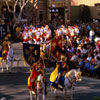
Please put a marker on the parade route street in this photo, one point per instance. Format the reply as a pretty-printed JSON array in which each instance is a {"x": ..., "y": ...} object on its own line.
[{"x": 14, "y": 86}]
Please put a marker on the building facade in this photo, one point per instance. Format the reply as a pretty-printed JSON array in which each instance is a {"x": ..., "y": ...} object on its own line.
[
  {"x": 64, "y": 10},
  {"x": 84, "y": 9},
  {"x": 74, "y": 10},
  {"x": 84, "y": 2}
]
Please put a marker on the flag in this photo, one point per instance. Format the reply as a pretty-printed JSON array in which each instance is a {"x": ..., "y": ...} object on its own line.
[
  {"x": 31, "y": 53},
  {"x": 56, "y": 47}
]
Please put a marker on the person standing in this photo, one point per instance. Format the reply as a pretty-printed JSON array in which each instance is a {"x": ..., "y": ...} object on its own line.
[
  {"x": 91, "y": 35},
  {"x": 10, "y": 58}
]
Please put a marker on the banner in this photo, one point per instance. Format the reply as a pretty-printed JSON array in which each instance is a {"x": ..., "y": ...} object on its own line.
[
  {"x": 56, "y": 47},
  {"x": 3, "y": 31},
  {"x": 31, "y": 53}
]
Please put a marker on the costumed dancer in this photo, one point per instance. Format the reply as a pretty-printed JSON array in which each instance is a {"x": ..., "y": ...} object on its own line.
[
  {"x": 76, "y": 29},
  {"x": 37, "y": 37},
  {"x": 72, "y": 33}
]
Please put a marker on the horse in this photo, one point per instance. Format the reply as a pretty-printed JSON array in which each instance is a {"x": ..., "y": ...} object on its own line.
[
  {"x": 69, "y": 79},
  {"x": 2, "y": 61},
  {"x": 40, "y": 88}
]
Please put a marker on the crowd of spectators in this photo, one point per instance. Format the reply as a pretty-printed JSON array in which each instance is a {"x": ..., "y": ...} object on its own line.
[
  {"x": 81, "y": 43},
  {"x": 83, "y": 48}
]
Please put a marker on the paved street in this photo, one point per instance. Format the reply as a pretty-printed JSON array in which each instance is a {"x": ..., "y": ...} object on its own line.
[{"x": 14, "y": 86}]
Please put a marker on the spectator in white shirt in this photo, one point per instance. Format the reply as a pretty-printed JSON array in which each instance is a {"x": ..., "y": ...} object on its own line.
[{"x": 91, "y": 35}]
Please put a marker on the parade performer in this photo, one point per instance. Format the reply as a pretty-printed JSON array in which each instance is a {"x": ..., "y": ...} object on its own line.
[
  {"x": 40, "y": 67},
  {"x": 5, "y": 49},
  {"x": 36, "y": 70},
  {"x": 59, "y": 71},
  {"x": 40, "y": 70},
  {"x": 32, "y": 78}
]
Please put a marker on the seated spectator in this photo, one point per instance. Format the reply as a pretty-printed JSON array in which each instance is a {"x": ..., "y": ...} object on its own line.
[
  {"x": 93, "y": 59},
  {"x": 81, "y": 64},
  {"x": 89, "y": 57},
  {"x": 92, "y": 67},
  {"x": 87, "y": 65},
  {"x": 97, "y": 68},
  {"x": 98, "y": 62},
  {"x": 83, "y": 51},
  {"x": 78, "y": 53},
  {"x": 74, "y": 58}
]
